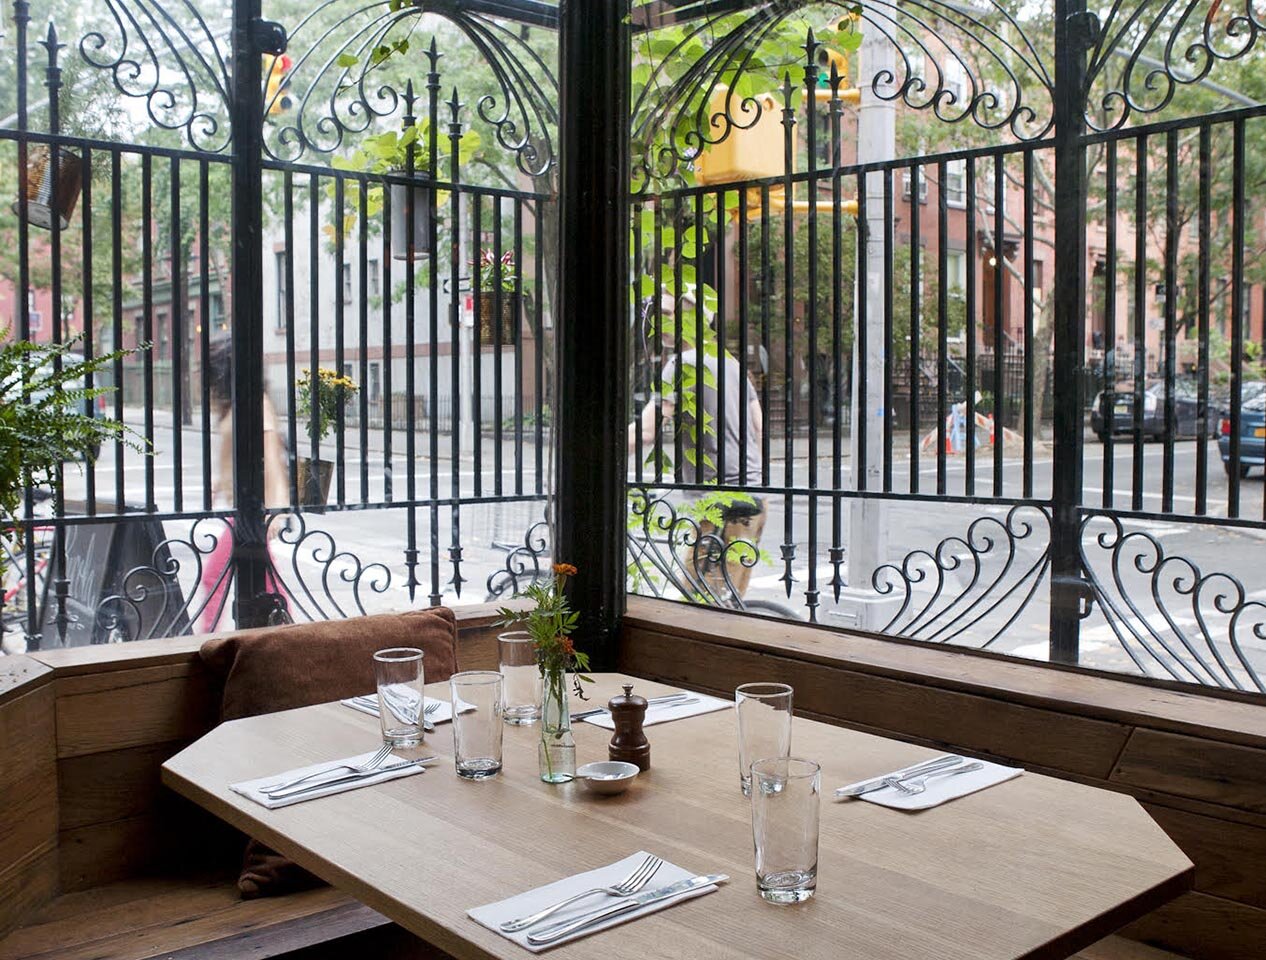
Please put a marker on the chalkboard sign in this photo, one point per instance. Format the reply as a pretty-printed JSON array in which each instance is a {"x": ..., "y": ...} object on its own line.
[{"x": 99, "y": 557}]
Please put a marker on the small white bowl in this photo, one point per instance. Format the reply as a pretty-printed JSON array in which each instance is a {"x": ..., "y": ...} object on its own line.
[{"x": 607, "y": 776}]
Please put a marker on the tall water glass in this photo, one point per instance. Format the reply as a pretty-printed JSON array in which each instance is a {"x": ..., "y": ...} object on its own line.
[
  {"x": 764, "y": 726},
  {"x": 477, "y": 733},
  {"x": 398, "y": 671},
  {"x": 520, "y": 677},
  {"x": 785, "y": 800}
]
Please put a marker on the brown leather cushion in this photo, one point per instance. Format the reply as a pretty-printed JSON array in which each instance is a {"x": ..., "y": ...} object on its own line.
[{"x": 280, "y": 668}]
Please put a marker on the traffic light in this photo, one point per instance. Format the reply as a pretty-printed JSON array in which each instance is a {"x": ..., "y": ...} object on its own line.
[{"x": 277, "y": 97}]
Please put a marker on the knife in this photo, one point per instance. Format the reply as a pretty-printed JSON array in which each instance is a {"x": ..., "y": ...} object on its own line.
[
  {"x": 919, "y": 769},
  {"x": 674, "y": 699},
  {"x": 350, "y": 778},
  {"x": 557, "y": 931},
  {"x": 371, "y": 703}
]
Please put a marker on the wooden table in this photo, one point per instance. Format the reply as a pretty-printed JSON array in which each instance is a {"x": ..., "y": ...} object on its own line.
[{"x": 1036, "y": 867}]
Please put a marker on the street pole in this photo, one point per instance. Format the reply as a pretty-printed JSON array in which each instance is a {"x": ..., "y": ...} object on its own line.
[{"x": 868, "y": 528}]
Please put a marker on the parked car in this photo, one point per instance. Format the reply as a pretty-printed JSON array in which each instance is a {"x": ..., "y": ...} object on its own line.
[
  {"x": 1120, "y": 419},
  {"x": 1252, "y": 436}
]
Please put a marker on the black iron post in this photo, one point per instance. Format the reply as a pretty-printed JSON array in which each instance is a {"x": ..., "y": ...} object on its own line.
[
  {"x": 591, "y": 316},
  {"x": 252, "y": 37},
  {"x": 1073, "y": 28}
]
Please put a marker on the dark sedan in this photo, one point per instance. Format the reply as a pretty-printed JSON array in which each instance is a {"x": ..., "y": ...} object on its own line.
[
  {"x": 1252, "y": 436},
  {"x": 1119, "y": 418}
]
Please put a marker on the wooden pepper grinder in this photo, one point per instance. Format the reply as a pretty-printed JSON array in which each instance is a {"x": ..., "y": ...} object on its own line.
[{"x": 629, "y": 742}]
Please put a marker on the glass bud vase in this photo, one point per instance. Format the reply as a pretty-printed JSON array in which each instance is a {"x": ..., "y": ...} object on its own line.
[{"x": 557, "y": 749}]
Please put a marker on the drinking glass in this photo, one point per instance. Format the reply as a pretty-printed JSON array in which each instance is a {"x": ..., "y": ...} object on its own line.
[
  {"x": 521, "y": 677},
  {"x": 477, "y": 732},
  {"x": 764, "y": 725},
  {"x": 785, "y": 800},
  {"x": 398, "y": 671}
]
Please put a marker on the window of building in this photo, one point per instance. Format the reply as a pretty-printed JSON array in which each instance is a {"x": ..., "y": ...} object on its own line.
[
  {"x": 375, "y": 281},
  {"x": 347, "y": 283},
  {"x": 160, "y": 329},
  {"x": 283, "y": 295},
  {"x": 908, "y": 177},
  {"x": 375, "y": 383},
  {"x": 956, "y": 273},
  {"x": 956, "y": 183},
  {"x": 956, "y": 82}
]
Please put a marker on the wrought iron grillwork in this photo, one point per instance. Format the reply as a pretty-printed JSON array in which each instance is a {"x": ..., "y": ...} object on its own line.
[
  {"x": 915, "y": 411},
  {"x": 1142, "y": 57},
  {"x": 1170, "y": 617}
]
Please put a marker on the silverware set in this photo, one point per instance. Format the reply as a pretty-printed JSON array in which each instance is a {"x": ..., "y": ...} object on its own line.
[
  {"x": 429, "y": 711},
  {"x": 631, "y": 884},
  {"x": 912, "y": 780},
  {"x": 671, "y": 700},
  {"x": 559, "y": 930}
]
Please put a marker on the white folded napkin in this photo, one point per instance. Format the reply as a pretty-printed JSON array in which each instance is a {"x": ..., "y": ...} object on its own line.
[
  {"x": 524, "y": 904},
  {"x": 941, "y": 788},
  {"x": 368, "y": 704},
  {"x": 664, "y": 712},
  {"x": 250, "y": 788}
]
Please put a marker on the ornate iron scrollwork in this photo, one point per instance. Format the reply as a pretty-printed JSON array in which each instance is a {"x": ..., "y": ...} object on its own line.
[
  {"x": 1143, "y": 56},
  {"x": 336, "y": 87},
  {"x": 996, "y": 580},
  {"x": 170, "y": 594},
  {"x": 943, "y": 53},
  {"x": 319, "y": 581},
  {"x": 673, "y": 554},
  {"x": 523, "y": 565},
  {"x": 167, "y": 55},
  {"x": 1171, "y": 618}
]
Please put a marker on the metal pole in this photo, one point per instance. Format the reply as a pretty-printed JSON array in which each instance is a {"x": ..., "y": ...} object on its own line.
[
  {"x": 1073, "y": 29},
  {"x": 591, "y": 320},
  {"x": 252, "y": 37},
  {"x": 868, "y": 528}
]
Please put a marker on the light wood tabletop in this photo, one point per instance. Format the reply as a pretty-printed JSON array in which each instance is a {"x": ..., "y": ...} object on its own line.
[{"x": 1035, "y": 867}]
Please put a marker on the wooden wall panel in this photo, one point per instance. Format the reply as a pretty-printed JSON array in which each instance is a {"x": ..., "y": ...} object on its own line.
[
  {"x": 28, "y": 790},
  {"x": 1222, "y": 773},
  {"x": 111, "y": 786},
  {"x": 1202, "y": 927},
  {"x": 1230, "y": 858},
  {"x": 131, "y": 708},
  {"x": 26, "y": 885},
  {"x": 1011, "y": 731}
]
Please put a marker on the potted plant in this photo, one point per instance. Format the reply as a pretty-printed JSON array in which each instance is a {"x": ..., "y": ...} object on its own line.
[
  {"x": 46, "y": 420},
  {"x": 497, "y": 274},
  {"x": 331, "y": 391},
  {"x": 550, "y": 622}
]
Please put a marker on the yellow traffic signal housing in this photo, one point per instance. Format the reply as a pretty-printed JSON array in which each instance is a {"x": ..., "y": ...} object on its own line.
[
  {"x": 746, "y": 154},
  {"x": 277, "y": 93},
  {"x": 755, "y": 152}
]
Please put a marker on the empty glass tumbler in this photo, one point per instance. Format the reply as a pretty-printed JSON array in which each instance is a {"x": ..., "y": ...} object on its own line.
[
  {"x": 520, "y": 677},
  {"x": 785, "y": 800},
  {"x": 398, "y": 671},
  {"x": 764, "y": 725},
  {"x": 477, "y": 733}
]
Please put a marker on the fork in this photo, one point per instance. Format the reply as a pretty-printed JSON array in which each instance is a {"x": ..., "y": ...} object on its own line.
[
  {"x": 916, "y": 786},
  {"x": 373, "y": 763},
  {"x": 631, "y": 884}
]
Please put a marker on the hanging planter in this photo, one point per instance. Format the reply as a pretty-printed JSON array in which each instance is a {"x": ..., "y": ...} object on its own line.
[
  {"x": 412, "y": 244},
  {"x": 508, "y": 319},
  {"x": 39, "y": 186},
  {"x": 324, "y": 474}
]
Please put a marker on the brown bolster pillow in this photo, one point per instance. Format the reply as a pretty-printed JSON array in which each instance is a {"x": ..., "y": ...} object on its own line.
[{"x": 281, "y": 668}]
